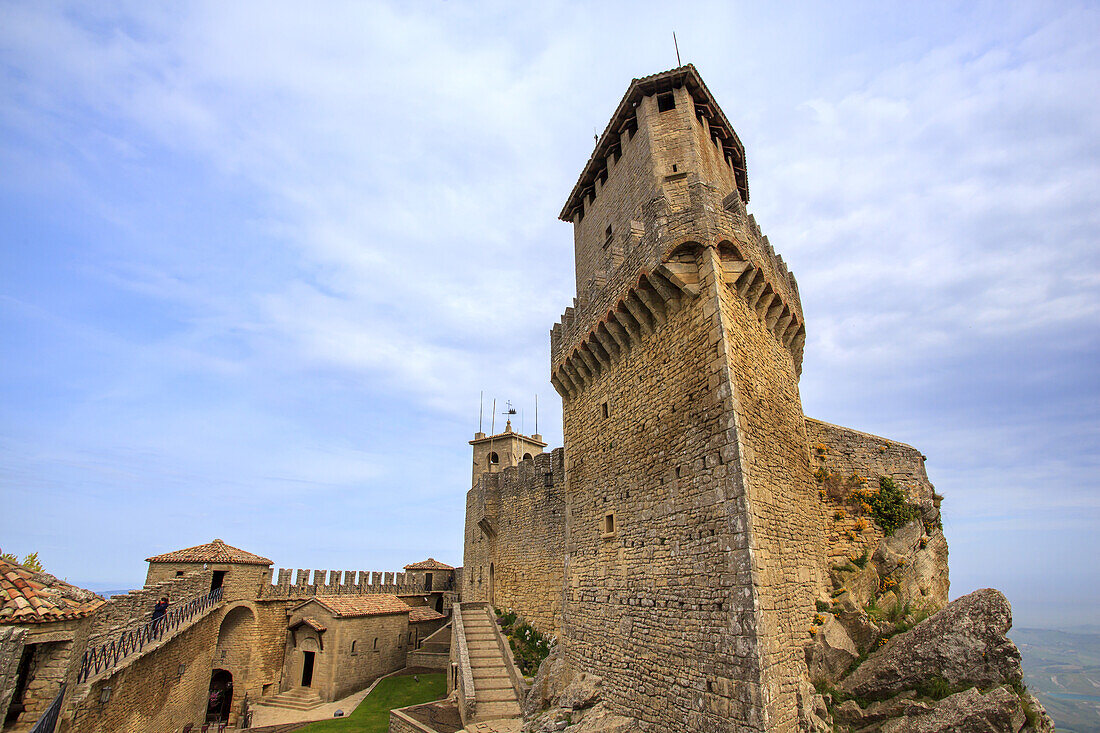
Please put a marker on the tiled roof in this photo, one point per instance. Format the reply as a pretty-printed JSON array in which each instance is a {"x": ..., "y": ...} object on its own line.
[
  {"x": 212, "y": 552},
  {"x": 311, "y": 623},
  {"x": 420, "y": 614},
  {"x": 375, "y": 604},
  {"x": 27, "y": 597},
  {"x": 430, "y": 564}
]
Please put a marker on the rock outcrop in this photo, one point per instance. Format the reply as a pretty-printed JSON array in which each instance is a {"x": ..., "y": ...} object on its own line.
[
  {"x": 955, "y": 671},
  {"x": 561, "y": 699},
  {"x": 963, "y": 644}
]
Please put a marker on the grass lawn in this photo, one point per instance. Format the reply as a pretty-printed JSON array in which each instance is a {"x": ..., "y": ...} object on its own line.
[{"x": 373, "y": 714}]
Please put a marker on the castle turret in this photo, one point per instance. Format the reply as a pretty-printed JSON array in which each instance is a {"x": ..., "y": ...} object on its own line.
[
  {"x": 691, "y": 511},
  {"x": 494, "y": 453}
]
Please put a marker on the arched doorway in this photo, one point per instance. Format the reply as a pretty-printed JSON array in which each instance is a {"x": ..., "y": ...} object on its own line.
[
  {"x": 220, "y": 700},
  {"x": 492, "y": 588}
]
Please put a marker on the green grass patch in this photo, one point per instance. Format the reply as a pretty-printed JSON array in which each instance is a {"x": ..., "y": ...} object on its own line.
[{"x": 373, "y": 714}]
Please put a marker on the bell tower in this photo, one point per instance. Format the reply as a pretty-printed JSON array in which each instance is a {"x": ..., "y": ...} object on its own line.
[{"x": 494, "y": 453}]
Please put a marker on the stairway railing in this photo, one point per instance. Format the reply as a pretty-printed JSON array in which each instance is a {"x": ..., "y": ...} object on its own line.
[{"x": 106, "y": 655}]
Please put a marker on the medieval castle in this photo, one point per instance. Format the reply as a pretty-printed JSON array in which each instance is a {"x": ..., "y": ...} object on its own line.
[{"x": 706, "y": 556}]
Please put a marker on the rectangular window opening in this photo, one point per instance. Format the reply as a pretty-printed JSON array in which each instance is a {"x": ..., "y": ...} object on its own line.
[
  {"x": 665, "y": 102},
  {"x": 607, "y": 236},
  {"x": 606, "y": 411},
  {"x": 609, "y": 524}
]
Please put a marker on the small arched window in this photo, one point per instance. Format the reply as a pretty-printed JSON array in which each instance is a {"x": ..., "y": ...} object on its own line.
[
  {"x": 526, "y": 456},
  {"x": 353, "y": 647},
  {"x": 376, "y": 642},
  {"x": 494, "y": 459}
]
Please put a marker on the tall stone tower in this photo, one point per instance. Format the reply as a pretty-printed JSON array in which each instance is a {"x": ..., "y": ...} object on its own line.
[
  {"x": 494, "y": 453},
  {"x": 693, "y": 543}
]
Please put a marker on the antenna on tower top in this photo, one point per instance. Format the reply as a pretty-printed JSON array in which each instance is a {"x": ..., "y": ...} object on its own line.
[
  {"x": 481, "y": 412},
  {"x": 677, "y": 45}
]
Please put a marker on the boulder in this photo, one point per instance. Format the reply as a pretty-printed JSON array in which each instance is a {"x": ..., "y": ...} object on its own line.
[
  {"x": 582, "y": 692},
  {"x": 965, "y": 643},
  {"x": 998, "y": 711},
  {"x": 554, "y": 675},
  {"x": 831, "y": 652}
]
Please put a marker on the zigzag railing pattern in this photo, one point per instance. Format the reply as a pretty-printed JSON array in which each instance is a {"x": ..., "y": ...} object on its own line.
[{"x": 103, "y": 657}]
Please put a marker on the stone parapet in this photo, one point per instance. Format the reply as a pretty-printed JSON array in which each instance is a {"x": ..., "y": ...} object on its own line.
[{"x": 338, "y": 582}]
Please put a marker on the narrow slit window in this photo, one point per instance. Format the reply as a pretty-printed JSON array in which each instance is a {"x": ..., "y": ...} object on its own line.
[
  {"x": 606, "y": 410},
  {"x": 608, "y": 526},
  {"x": 607, "y": 236}
]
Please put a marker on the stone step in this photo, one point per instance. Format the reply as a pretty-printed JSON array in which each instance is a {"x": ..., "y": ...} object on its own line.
[
  {"x": 497, "y": 695},
  {"x": 482, "y": 645},
  {"x": 492, "y": 683},
  {"x": 497, "y": 710}
]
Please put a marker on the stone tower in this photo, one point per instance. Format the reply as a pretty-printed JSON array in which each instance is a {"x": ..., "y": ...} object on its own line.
[
  {"x": 693, "y": 542},
  {"x": 494, "y": 453}
]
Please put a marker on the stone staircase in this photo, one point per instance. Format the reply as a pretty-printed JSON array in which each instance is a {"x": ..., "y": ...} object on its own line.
[
  {"x": 298, "y": 698},
  {"x": 496, "y": 698}
]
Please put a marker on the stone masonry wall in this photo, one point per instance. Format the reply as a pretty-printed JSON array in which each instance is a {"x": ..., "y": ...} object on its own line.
[
  {"x": 353, "y": 671},
  {"x": 787, "y": 515},
  {"x": 149, "y": 694},
  {"x": 49, "y": 666},
  {"x": 662, "y": 607},
  {"x": 849, "y": 453},
  {"x": 525, "y": 509},
  {"x": 11, "y": 651},
  {"x": 336, "y": 582}
]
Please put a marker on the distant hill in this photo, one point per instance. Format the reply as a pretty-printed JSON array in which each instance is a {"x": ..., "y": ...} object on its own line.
[{"x": 1062, "y": 669}]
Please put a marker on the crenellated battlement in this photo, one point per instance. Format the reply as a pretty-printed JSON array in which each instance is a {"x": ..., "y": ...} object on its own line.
[
  {"x": 309, "y": 583},
  {"x": 588, "y": 340}
]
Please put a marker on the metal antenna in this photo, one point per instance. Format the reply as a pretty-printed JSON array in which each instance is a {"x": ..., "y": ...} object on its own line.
[
  {"x": 677, "y": 45},
  {"x": 481, "y": 412},
  {"x": 536, "y": 413}
]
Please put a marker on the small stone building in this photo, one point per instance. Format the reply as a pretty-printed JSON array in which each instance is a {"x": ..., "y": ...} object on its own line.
[
  {"x": 42, "y": 621},
  {"x": 338, "y": 644},
  {"x": 423, "y": 622},
  {"x": 238, "y": 572}
]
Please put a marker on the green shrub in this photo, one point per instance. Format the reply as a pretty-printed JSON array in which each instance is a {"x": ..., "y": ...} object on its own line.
[
  {"x": 529, "y": 647},
  {"x": 890, "y": 507}
]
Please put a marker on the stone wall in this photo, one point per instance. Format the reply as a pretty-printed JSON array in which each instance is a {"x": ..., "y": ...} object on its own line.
[
  {"x": 515, "y": 540},
  {"x": 11, "y": 651},
  {"x": 786, "y": 513},
  {"x": 336, "y": 582},
  {"x": 240, "y": 581},
  {"x": 49, "y": 666},
  {"x": 662, "y": 605},
  {"x": 380, "y": 648},
  {"x": 150, "y": 694}
]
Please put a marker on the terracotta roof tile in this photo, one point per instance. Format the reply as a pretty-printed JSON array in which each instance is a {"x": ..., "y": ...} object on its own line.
[
  {"x": 212, "y": 552},
  {"x": 420, "y": 614},
  {"x": 27, "y": 597},
  {"x": 376, "y": 604},
  {"x": 430, "y": 564},
  {"x": 311, "y": 623}
]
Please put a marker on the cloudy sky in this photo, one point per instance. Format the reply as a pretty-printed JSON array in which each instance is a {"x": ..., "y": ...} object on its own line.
[{"x": 258, "y": 261}]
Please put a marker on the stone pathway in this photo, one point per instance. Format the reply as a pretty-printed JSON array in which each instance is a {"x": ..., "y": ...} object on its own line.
[{"x": 264, "y": 715}]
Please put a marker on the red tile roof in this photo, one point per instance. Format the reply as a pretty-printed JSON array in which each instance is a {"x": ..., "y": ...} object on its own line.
[
  {"x": 311, "y": 623},
  {"x": 212, "y": 552},
  {"x": 376, "y": 604},
  {"x": 27, "y": 597},
  {"x": 430, "y": 564},
  {"x": 420, "y": 614}
]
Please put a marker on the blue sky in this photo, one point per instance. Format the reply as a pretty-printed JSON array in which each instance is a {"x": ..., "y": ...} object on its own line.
[{"x": 257, "y": 263}]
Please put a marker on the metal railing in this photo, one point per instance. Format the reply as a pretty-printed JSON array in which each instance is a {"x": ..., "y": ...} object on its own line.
[{"x": 128, "y": 641}]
